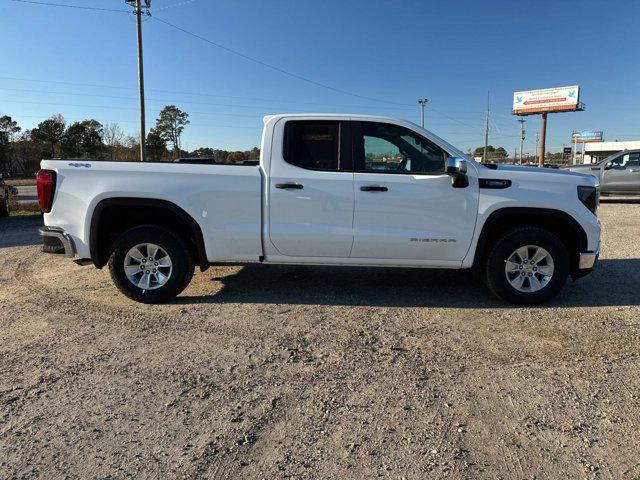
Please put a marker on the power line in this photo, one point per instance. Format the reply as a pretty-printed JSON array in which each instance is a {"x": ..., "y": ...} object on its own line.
[
  {"x": 164, "y": 100},
  {"x": 252, "y": 59},
  {"x": 66, "y": 5},
  {"x": 223, "y": 47},
  {"x": 177, "y": 92},
  {"x": 179, "y": 4},
  {"x": 48, "y": 92},
  {"x": 273, "y": 67},
  {"x": 257, "y": 115},
  {"x": 452, "y": 118},
  {"x": 105, "y": 120}
]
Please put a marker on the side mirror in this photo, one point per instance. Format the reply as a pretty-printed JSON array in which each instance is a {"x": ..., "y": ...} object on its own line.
[
  {"x": 608, "y": 165},
  {"x": 456, "y": 168},
  {"x": 456, "y": 165}
]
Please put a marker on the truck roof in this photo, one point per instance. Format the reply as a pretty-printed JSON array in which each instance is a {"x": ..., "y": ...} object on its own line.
[{"x": 355, "y": 116}]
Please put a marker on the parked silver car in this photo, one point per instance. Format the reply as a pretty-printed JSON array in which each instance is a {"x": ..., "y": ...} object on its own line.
[{"x": 618, "y": 173}]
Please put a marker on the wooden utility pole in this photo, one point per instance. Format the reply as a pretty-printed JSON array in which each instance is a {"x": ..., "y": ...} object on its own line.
[
  {"x": 486, "y": 132},
  {"x": 521, "y": 120},
  {"x": 137, "y": 10},
  {"x": 543, "y": 137}
]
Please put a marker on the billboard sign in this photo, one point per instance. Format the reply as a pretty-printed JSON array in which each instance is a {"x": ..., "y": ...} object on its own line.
[
  {"x": 561, "y": 99},
  {"x": 588, "y": 136}
]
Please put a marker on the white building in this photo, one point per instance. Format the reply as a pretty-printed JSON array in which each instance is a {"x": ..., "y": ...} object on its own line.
[{"x": 596, "y": 151}]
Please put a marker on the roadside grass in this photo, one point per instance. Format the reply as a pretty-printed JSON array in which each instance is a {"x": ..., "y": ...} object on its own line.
[{"x": 24, "y": 208}]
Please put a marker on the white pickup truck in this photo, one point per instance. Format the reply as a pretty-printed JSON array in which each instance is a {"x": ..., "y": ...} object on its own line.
[{"x": 328, "y": 190}]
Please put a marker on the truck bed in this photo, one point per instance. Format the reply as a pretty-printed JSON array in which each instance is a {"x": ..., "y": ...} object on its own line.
[{"x": 225, "y": 200}]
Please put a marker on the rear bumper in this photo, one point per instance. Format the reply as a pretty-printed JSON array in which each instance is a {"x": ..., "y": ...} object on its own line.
[{"x": 55, "y": 240}]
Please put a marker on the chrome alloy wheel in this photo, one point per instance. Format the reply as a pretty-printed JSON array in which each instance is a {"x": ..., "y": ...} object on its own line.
[
  {"x": 147, "y": 266},
  {"x": 529, "y": 268}
]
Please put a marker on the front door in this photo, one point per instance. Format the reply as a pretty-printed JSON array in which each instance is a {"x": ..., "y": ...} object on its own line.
[
  {"x": 311, "y": 189},
  {"x": 405, "y": 205},
  {"x": 623, "y": 175}
]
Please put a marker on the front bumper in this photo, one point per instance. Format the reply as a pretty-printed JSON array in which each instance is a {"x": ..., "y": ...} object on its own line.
[
  {"x": 586, "y": 262},
  {"x": 55, "y": 240}
]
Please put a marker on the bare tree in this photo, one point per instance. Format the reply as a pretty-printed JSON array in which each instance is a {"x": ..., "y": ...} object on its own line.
[{"x": 113, "y": 137}]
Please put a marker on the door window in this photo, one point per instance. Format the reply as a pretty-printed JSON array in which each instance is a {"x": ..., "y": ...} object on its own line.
[
  {"x": 385, "y": 148},
  {"x": 627, "y": 160},
  {"x": 313, "y": 145}
]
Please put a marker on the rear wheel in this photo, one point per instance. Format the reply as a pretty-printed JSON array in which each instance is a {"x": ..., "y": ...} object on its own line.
[
  {"x": 527, "y": 266},
  {"x": 151, "y": 264}
]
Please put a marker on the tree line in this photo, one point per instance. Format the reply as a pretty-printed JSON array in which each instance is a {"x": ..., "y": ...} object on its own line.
[
  {"x": 493, "y": 153},
  {"x": 499, "y": 154},
  {"x": 21, "y": 150}
]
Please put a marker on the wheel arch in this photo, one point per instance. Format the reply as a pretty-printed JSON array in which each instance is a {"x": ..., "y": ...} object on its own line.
[
  {"x": 560, "y": 223},
  {"x": 161, "y": 212}
]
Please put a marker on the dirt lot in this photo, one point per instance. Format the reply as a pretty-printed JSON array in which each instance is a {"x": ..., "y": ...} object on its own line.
[{"x": 265, "y": 372}]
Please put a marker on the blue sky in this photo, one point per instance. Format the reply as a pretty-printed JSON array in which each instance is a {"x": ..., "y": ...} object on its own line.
[{"x": 82, "y": 64}]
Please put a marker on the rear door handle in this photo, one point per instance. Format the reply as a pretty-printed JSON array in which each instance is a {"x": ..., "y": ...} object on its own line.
[
  {"x": 289, "y": 186},
  {"x": 634, "y": 170},
  {"x": 373, "y": 188}
]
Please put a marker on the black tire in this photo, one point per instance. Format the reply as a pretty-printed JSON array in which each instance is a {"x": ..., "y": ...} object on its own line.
[
  {"x": 174, "y": 245},
  {"x": 5, "y": 211},
  {"x": 500, "y": 250}
]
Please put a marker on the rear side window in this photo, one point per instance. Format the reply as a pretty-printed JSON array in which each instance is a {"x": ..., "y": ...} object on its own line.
[{"x": 314, "y": 145}]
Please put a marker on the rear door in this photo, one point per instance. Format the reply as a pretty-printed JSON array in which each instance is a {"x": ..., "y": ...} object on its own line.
[
  {"x": 624, "y": 174},
  {"x": 405, "y": 205},
  {"x": 311, "y": 189}
]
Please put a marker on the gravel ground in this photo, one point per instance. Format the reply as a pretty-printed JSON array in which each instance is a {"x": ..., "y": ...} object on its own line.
[{"x": 270, "y": 372}]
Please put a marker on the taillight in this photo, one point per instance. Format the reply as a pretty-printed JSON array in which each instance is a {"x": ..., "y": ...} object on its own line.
[{"x": 46, "y": 189}]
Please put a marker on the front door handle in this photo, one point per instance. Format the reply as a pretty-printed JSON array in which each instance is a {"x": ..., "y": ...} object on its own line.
[
  {"x": 373, "y": 188},
  {"x": 289, "y": 186},
  {"x": 634, "y": 170}
]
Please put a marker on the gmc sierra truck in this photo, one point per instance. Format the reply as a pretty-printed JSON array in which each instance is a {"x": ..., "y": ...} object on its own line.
[{"x": 328, "y": 190}]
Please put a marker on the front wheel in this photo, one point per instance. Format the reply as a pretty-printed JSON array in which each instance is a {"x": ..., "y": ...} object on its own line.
[
  {"x": 151, "y": 264},
  {"x": 527, "y": 266}
]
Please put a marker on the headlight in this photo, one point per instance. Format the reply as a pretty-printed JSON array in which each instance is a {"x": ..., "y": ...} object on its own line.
[{"x": 589, "y": 196}]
